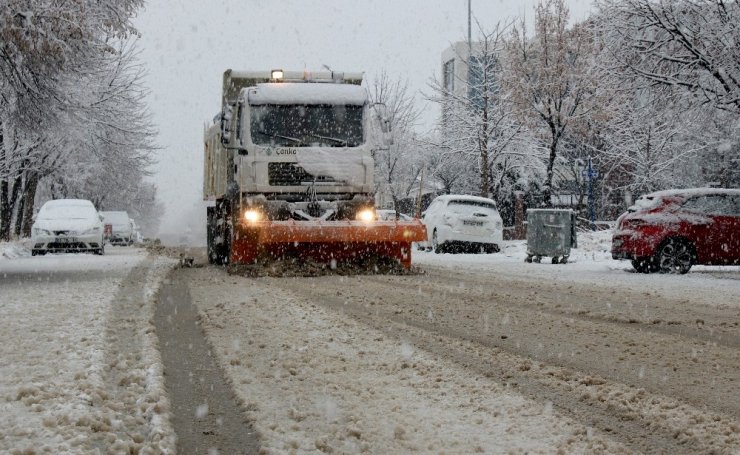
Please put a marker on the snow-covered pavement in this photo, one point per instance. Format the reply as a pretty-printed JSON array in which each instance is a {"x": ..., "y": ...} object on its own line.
[
  {"x": 476, "y": 354},
  {"x": 79, "y": 367},
  {"x": 483, "y": 353}
]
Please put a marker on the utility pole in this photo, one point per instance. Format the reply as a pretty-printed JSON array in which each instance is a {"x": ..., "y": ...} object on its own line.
[{"x": 470, "y": 43}]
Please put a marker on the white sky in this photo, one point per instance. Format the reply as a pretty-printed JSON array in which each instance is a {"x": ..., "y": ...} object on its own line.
[{"x": 187, "y": 44}]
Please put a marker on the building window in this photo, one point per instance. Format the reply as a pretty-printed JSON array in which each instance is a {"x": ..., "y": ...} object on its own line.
[
  {"x": 482, "y": 67},
  {"x": 448, "y": 75}
]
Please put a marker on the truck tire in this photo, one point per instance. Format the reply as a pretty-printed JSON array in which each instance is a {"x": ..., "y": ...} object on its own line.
[
  {"x": 211, "y": 234},
  {"x": 219, "y": 233}
]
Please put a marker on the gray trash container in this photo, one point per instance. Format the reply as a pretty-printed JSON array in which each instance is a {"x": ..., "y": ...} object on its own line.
[{"x": 550, "y": 232}]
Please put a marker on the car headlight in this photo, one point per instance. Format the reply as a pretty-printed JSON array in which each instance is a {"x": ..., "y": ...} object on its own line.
[{"x": 366, "y": 215}]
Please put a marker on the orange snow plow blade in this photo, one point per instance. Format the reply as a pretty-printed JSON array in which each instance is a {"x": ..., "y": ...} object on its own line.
[{"x": 326, "y": 240}]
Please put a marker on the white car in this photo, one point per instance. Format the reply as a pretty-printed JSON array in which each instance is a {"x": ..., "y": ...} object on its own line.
[
  {"x": 461, "y": 223},
  {"x": 67, "y": 225},
  {"x": 390, "y": 215},
  {"x": 121, "y": 227}
]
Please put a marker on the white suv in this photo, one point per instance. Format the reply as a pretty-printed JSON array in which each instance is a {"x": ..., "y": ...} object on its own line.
[{"x": 462, "y": 223}]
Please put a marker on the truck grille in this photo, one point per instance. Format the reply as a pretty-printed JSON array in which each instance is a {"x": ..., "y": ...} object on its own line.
[{"x": 290, "y": 174}]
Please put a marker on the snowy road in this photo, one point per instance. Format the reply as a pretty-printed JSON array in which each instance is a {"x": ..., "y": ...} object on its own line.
[
  {"x": 483, "y": 354},
  {"x": 79, "y": 367},
  {"x": 477, "y": 354}
]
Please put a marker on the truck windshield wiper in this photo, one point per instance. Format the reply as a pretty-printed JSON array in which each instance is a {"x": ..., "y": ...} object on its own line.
[
  {"x": 341, "y": 141},
  {"x": 297, "y": 141}
]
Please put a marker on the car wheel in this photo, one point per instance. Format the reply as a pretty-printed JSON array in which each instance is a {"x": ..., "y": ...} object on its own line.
[
  {"x": 675, "y": 256},
  {"x": 435, "y": 243}
]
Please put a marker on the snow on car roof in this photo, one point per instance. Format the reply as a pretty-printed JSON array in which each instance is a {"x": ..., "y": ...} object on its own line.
[
  {"x": 464, "y": 197},
  {"x": 307, "y": 93},
  {"x": 69, "y": 203},
  {"x": 688, "y": 192}
]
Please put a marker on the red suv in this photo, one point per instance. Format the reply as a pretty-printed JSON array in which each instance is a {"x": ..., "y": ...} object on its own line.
[{"x": 669, "y": 231}]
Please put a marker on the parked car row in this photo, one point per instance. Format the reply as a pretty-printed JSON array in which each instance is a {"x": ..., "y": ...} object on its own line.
[
  {"x": 75, "y": 225},
  {"x": 665, "y": 231}
]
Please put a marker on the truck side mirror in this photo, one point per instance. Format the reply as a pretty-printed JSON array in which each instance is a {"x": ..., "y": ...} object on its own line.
[{"x": 226, "y": 116}]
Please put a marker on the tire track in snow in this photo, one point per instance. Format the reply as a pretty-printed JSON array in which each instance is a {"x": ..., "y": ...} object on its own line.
[
  {"x": 206, "y": 415},
  {"x": 585, "y": 389},
  {"x": 136, "y": 408},
  {"x": 708, "y": 324}
]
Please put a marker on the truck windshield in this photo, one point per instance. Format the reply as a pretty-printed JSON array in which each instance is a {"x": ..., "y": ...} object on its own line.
[{"x": 306, "y": 126}]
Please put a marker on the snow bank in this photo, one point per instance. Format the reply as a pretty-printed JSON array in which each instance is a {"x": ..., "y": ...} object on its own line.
[
  {"x": 592, "y": 263},
  {"x": 65, "y": 361},
  {"x": 13, "y": 250}
]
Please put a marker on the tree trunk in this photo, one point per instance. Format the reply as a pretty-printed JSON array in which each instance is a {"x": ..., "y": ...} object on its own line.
[
  {"x": 29, "y": 196},
  {"x": 16, "y": 208},
  {"x": 4, "y": 203},
  {"x": 4, "y": 211},
  {"x": 547, "y": 190}
]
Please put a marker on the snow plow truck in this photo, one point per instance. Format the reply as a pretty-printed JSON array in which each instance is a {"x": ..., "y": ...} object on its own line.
[{"x": 289, "y": 170}]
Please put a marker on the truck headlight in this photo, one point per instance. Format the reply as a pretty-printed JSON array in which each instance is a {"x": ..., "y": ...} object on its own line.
[
  {"x": 38, "y": 231},
  {"x": 94, "y": 230},
  {"x": 252, "y": 215},
  {"x": 366, "y": 215}
]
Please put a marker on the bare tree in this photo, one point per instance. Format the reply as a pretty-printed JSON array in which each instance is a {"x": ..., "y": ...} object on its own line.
[
  {"x": 688, "y": 44},
  {"x": 66, "y": 88},
  {"x": 649, "y": 144},
  {"x": 396, "y": 158},
  {"x": 549, "y": 78},
  {"x": 477, "y": 130}
]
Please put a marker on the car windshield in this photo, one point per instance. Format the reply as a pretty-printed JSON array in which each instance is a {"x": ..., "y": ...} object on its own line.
[
  {"x": 66, "y": 212},
  {"x": 645, "y": 203},
  {"x": 307, "y": 126}
]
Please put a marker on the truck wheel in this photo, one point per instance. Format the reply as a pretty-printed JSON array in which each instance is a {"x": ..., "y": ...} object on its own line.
[
  {"x": 210, "y": 235},
  {"x": 221, "y": 231}
]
